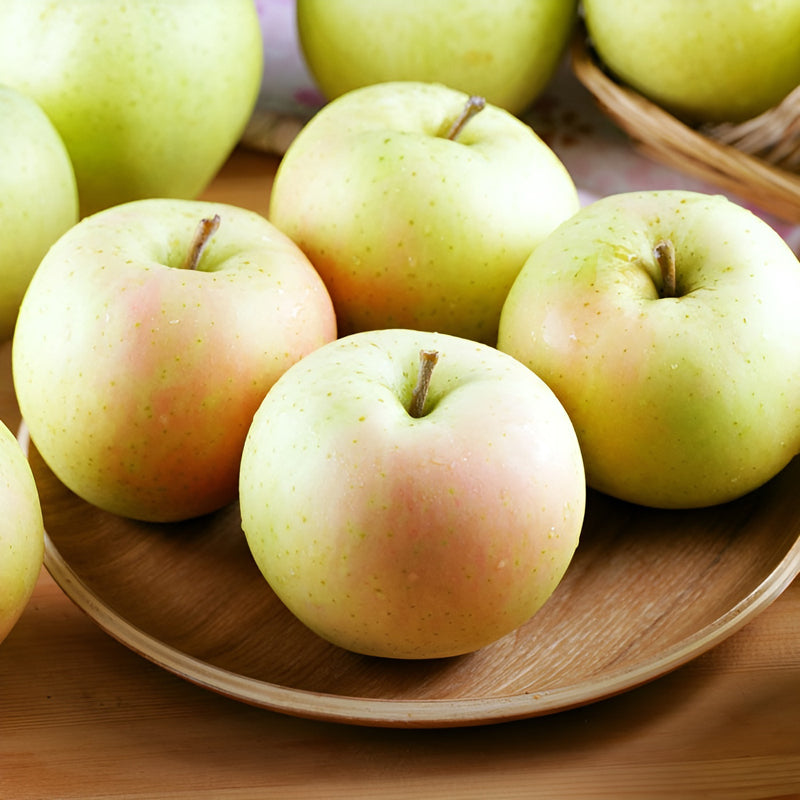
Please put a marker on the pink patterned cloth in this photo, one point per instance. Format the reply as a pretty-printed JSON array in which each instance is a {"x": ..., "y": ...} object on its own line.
[{"x": 286, "y": 86}]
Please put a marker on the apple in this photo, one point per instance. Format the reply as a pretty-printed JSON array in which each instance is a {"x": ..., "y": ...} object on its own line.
[
  {"x": 410, "y": 494},
  {"x": 666, "y": 323},
  {"x": 21, "y": 532},
  {"x": 703, "y": 60},
  {"x": 504, "y": 52},
  {"x": 38, "y": 197},
  {"x": 418, "y": 208},
  {"x": 146, "y": 341},
  {"x": 149, "y": 97}
]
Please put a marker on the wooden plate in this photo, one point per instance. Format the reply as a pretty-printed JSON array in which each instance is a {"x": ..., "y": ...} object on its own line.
[{"x": 647, "y": 591}]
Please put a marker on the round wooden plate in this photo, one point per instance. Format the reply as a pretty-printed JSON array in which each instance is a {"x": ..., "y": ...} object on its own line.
[{"x": 647, "y": 591}]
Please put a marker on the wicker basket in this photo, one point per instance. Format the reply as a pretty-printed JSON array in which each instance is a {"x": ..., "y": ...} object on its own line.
[{"x": 758, "y": 160}]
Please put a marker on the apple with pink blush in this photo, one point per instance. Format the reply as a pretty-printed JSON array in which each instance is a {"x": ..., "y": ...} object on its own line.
[
  {"x": 418, "y": 205},
  {"x": 147, "y": 339},
  {"x": 410, "y": 494},
  {"x": 666, "y": 323}
]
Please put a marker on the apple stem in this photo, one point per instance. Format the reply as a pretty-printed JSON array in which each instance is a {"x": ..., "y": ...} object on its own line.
[
  {"x": 427, "y": 361},
  {"x": 205, "y": 230},
  {"x": 664, "y": 253},
  {"x": 473, "y": 105}
]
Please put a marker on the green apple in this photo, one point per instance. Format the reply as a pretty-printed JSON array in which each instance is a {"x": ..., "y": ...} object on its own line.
[
  {"x": 414, "y": 224},
  {"x": 145, "y": 343},
  {"x": 667, "y": 324},
  {"x": 505, "y": 52},
  {"x": 21, "y": 532},
  {"x": 704, "y": 60},
  {"x": 411, "y": 494},
  {"x": 38, "y": 197},
  {"x": 149, "y": 97}
]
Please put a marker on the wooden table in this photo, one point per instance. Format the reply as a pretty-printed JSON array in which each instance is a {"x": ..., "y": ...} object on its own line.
[{"x": 81, "y": 716}]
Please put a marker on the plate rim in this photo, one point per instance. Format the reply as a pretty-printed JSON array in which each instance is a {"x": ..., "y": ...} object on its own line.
[
  {"x": 424, "y": 713},
  {"x": 384, "y": 712}
]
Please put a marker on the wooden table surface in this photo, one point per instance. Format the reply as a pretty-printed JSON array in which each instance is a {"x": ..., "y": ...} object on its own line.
[{"x": 81, "y": 716}]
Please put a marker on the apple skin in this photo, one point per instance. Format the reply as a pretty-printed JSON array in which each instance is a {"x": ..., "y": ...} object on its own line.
[
  {"x": 507, "y": 53},
  {"x": 407, "y": 537},
  {"x": 678, "y": 402},
  {"x": 407, "y": 228},
  {"x": 138, "y": 379},
  {"x": 38, "y": 197},
  {"x": 704, "y": 60},
  {"x": 149, "y": 97},
  {"x": 21, "y": 532}
]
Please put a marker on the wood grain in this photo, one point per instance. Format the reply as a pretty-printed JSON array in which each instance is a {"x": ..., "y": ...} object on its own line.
[
  {"x": 646, "y": 591},
  {"x": 82, "y": 716}
]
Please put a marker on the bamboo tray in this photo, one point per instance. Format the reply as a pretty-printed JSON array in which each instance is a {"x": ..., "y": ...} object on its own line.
[
  {"x": 646, "y": 592},
  {"x": 750, "y": 160}
]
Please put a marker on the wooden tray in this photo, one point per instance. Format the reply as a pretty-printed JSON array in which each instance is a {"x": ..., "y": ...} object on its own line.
[{"x": 647, "y": 591}]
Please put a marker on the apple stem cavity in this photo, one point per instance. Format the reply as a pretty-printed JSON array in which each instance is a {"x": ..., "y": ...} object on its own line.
[
  {"x": 205, "y": 230},
  {"x": 664, "y": 253},
  {"x": 427, "y": 361},
  {"x": 474, "y": 104}
]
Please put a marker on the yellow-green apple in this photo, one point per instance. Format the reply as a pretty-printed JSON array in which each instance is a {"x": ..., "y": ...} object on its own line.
[
  {"x": 504, "y": 52},
  {"x": 704, "y": 60},
  {"x": 146, "y": 341},
  {"x": 415, "y": 215},
  {"x": 21, "y": 532},
  {"x": 411, "y": 494},
  {"x": 667, "y": 324},
  {"x": 38, "y": 197},
  {"x": 149, "y": 97}
]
